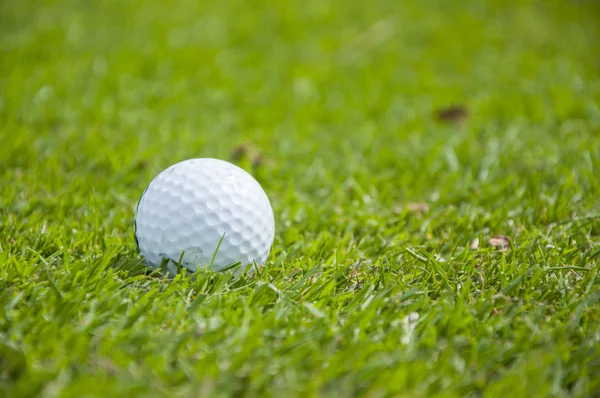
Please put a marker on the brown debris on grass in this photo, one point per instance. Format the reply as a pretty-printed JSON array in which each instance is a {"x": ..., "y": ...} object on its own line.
[
  {"x": 455, "y": 114},
  {"x": 501, "y": 242}
]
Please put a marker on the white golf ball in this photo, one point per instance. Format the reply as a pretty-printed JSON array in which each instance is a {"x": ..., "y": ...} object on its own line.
[{"x": 194, "y": 205}]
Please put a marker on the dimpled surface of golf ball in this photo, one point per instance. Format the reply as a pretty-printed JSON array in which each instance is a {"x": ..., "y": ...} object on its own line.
[{"x": 189, "y": 207}]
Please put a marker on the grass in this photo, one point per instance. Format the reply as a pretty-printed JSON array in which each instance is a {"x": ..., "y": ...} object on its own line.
[{"x": 364, "y": 293}]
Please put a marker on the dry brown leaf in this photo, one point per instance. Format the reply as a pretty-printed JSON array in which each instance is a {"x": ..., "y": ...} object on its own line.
[
  {"x": 455, "y": 114},
  {"x": 501, "y": 242},
  {"x": 481, "y": 279},
  {"x": 421, "y": 207},
  {"x": 240, "y": 151},
  {"x": 474, "y": 244},
  {"x": 257, "y": 160},
  {"x": 253, "y": 155}
]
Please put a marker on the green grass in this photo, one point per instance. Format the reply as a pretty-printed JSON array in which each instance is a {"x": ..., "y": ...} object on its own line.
[{"x": 361, "y": 295}]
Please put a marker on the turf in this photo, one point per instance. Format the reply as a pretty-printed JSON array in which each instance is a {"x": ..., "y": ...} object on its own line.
[{"x": 382, "y": 280}]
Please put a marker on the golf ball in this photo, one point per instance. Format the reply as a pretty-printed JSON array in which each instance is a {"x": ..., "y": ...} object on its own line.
[{"x": 197, "y": 206}]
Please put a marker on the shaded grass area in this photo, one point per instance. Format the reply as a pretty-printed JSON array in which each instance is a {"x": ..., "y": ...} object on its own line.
[{"x": 365, "y": 293}]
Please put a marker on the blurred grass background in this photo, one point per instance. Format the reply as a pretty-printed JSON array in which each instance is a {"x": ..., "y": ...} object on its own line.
[
  {"x": 116, "y": 88},
  {"x": 336, "y": 94}
]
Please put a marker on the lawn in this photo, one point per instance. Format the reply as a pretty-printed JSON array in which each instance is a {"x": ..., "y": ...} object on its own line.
[{"x": 416, "y": 253}]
